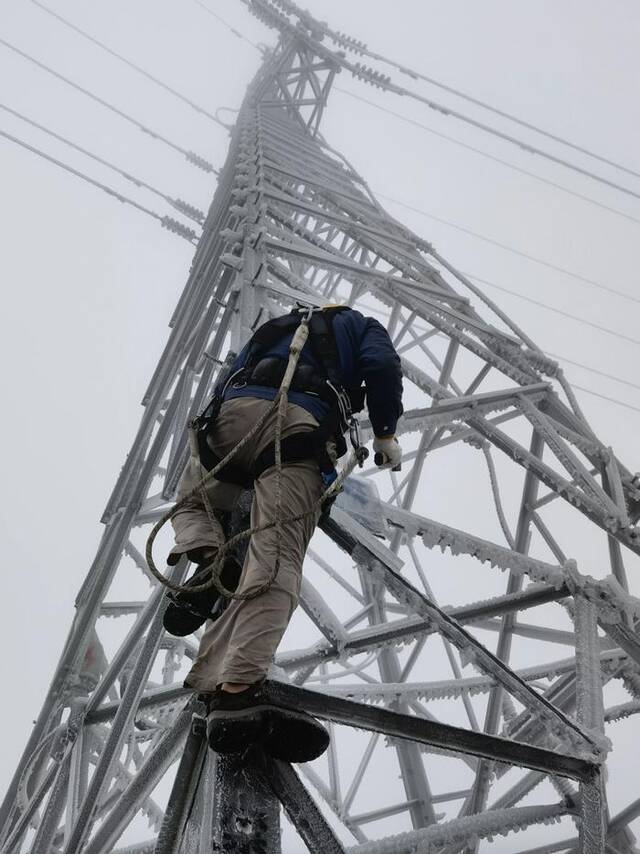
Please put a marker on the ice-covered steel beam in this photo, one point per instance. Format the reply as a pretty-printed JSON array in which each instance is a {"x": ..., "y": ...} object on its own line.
[
  {"x": 141, "y": 786},
  {"x": 169, "y": 695},
  {"x": 614, "y": 604},
  {"x": 489, "y": 824},
  {"x": 421, "y": 730},
  {"x": 300, "y": 807},
  {"x": 404, "y": 631},
  {"x": 626, "y": 535},
  {"x": 183, "y": 790},
  {"x": 368, "y": 552}
]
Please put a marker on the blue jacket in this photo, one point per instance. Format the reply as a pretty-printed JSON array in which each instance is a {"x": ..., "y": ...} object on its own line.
[{"x": 366, "y": 355}]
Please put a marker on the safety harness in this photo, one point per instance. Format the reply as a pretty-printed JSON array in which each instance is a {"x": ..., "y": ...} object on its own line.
[
  {"x": 278, "y": 407},
  {"x": 262, "y": 370}
]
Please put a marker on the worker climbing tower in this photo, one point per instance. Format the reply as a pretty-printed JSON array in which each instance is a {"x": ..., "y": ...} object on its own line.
[{"x": 424, "y": 757}]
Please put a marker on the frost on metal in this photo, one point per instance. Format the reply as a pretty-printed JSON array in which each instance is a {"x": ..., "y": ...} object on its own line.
[
  {"x": 613, "y": 602},
  {"x": 470, "y": 829},
  {"x": 360, "y": 499},
  {"x": 292, "y": 221}
]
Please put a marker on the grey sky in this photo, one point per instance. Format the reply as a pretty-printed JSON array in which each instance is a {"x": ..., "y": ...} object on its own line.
[{"x": 89, "y": 284}]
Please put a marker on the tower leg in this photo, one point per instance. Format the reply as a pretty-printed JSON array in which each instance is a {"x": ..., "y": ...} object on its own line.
[
  {"x": 246, "y": 813},
  {"x": 183, "y": 790}
]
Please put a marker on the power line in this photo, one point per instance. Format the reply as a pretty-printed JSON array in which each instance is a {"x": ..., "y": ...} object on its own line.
[
  {"x": 496, "y": 243},
  {"x": 559, "y": 311},
  {"x": 594, "y": 370},
  {"x": 272, "y": 18},
  {"x": 131, "y": 64},
  {"x": 139, "y": 182},
  {"x": 486, "y": 155},
  {"x": 166, "y": 221},
  {"x": 189, "y": 234},
  {"x": 362, "y": 49},
  {"x": 226, "y": 24},
  {"x": 193, "y": 158},
  {"x": 457, "y": 142},
  {"x": 605, "y": 397},
  {"x": 181, "y": 206},
  {"x": 511, "y": 249}
]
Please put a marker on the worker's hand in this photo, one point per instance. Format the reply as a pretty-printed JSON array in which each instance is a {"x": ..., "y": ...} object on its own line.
[{"x": 387, "y": 452}]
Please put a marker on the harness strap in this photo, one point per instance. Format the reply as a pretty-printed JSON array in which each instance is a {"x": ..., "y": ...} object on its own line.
[
  {"x": 324, "y": 344},
  {"x": 267, "y": 336},
  {"x": 306, "y": 445}
]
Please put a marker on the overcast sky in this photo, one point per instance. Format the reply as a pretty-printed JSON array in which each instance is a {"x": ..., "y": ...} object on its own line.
[{"x": 89, "y": 284}]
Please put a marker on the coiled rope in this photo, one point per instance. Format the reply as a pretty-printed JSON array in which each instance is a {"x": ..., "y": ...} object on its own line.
[{"x": 279, "y": 404}]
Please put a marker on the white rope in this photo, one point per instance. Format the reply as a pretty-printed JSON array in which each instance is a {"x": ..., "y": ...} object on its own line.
[{"x": 279, "y": 404}]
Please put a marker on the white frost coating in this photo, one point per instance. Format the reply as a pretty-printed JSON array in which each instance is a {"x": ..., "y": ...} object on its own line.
[
  {"x": 359, "y": 497},
  {"x": 624, "y": 710},
  {"x": 368, "y": 541},
  {"x": 604, "y": 744},
  {"x": 435, "y": 534},
  {"x": 613, "y": 603},
  {"x": 140, "y": 848},
  {"x": 468, "y": 829},
  {"x": 543, "y": 364},
  {"x": 454, "y": 688},
  {"x": 315, "y": 606},
  {"x": 568, "y": 459},
  {"x": 589, "y": 447},
  {"x": 552, "y": 718},
  {"x": 380, "y": 637},
  {"x": 418, "y": 420}
]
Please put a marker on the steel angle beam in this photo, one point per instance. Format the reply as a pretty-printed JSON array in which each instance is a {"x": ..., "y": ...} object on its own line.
[
  {"x": 246, "y": 813},
  {"x": 152, "y": 770},
  {"x": 425, "y": 731},
  {"x": 170, "y": 695},
  {"x": 184, "y": 788},
  {"x": 507, "y": 395},
  {"x": 402, "y": 631},
  {"x": 322, "y": 257},
  {"x": 355, "y": 540},
  {"x": 624, "y": 636},
  {"x": 300, "y": 807}
]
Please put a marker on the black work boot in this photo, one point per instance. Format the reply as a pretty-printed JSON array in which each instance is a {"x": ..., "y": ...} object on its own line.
[
  {"x": 187, "y": 611},
  {"x": 294, "y": 735},
  {"x": 236, "y": 721}
]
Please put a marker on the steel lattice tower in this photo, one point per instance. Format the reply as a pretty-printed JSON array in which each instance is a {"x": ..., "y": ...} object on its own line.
[{"x": 117, "y": 753}]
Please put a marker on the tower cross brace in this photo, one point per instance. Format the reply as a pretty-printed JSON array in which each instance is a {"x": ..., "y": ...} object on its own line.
[{"x": 292, "y": 221}]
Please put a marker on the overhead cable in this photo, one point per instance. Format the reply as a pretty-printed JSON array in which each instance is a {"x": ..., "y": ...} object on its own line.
[
  {"x": 139, "y": 182},
  {"x": 131, "y": 64},
  {"x": 594, "y": 370},
  {"x": 264, "y": 10},
  {"x": 193, "y": 158},
  {"x": 467, "y": 146},
  {"x": 226, "y": 24},
  {"x": 361, "y": 49},
  {"x": 605, "y": 397},
  {"x": 559, "y": 311},
  {"x": 511, "y": 249},
  {"x": 181, "y": 206},
  {"x": 166, "y": 221},
  {"x": 486, "y": 155}
]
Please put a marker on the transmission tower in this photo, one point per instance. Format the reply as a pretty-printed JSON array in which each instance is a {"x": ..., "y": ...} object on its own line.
[{"x": 423, "y": 757}]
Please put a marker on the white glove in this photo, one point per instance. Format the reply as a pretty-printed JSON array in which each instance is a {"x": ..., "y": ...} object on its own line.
[{"x": 387, "y": 452}]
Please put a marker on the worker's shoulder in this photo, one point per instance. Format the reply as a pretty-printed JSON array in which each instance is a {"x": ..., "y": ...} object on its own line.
[{"x": 350, "y": 318}]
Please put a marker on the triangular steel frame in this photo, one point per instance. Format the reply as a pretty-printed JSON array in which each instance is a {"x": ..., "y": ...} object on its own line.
[{"x": 291, "y": 221}]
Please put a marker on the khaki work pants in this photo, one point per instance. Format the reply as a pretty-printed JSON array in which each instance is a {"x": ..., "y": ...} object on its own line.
[{"x": 241, "y": 644}]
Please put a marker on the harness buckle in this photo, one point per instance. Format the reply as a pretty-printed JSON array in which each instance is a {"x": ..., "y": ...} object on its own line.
[{"x": 354, "y": 435}]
